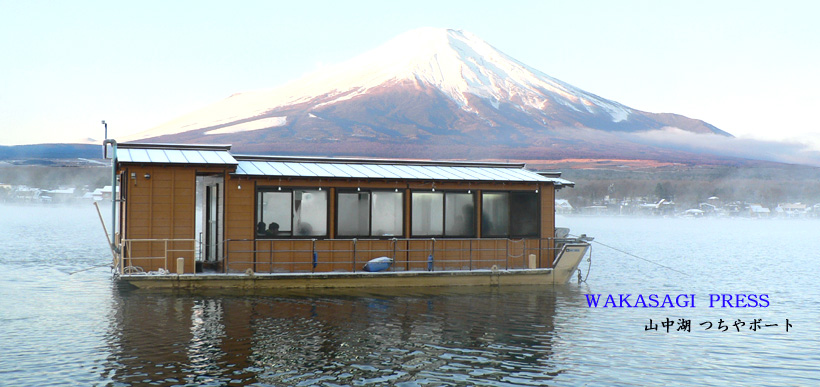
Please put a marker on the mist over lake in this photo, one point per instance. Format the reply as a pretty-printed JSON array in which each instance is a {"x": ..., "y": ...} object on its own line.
[{"x": 64, "y": 326}]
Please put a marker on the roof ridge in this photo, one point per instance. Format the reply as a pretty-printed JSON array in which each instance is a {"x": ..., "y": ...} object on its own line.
[
  {"x": 166, "y": 146},
  {"x": 377, "y": 161}
]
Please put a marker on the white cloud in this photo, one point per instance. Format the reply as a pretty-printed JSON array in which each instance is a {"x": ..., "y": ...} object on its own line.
[{"x": 790, "y": 152}]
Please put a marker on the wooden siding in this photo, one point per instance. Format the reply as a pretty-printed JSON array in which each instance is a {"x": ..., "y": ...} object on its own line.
[
  {"x": 160, "y": 206},
  {"x": 240, "y": 212},
  {"x": 547, "y": 193}
]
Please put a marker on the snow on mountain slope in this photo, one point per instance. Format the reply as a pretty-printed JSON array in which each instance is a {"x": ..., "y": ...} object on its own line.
[{"x": 457, "y": 63}]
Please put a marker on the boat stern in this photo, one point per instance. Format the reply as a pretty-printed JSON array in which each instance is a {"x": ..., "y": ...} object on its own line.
[{"x": 572, "y": 252}]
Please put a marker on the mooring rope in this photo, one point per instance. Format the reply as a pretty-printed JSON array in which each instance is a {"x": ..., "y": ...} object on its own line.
[
  {"x": 523, "y": 251},
  {"x": 641, "y": 258},
  {"x": 92, "y": 267}
]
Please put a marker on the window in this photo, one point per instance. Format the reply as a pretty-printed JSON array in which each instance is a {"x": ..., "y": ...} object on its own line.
[
  {"x": 509, "y": 214},
  {"x": 274, "y": 218},
  {"x": 354, "y": 214},
  {"x": 495, "y": 214},
  {"x": 524, "y": 214},
  {"x": 428, "y": 213},
  {"x": 374, "y": 213},
  {"x": 297, "y": 212},
  {"x": 459, "y": 210},
  {"x": 388, "y": 214},
  {"x": 449, "y": 214}
]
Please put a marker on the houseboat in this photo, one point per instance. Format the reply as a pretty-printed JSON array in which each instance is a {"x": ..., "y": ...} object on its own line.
[{"x": 199, "y": 216}]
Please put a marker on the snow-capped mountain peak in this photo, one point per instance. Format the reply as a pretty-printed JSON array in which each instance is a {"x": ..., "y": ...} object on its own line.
[{"x": 457, "y": 63}]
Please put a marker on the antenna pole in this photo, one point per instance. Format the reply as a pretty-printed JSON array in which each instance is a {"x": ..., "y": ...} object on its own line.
[{"x": 105, "y": 148}]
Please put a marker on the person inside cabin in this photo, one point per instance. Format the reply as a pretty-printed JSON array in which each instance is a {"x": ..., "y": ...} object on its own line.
[
  {"x": 260, "y": 228},
  {"x": 273, "y": 229},
  {"x": 304, "y": 229},
  {"x": 465, "y": 222}
]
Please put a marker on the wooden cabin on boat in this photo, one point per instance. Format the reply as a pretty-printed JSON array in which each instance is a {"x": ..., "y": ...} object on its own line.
[{"x": 199, "y": 209}]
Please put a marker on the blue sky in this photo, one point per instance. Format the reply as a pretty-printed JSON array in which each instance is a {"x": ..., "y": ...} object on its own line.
[{"x": 747, "y": 67}]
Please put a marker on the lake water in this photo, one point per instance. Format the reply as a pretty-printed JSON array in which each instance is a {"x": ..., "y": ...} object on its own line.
[{"x": 65, "y": 328}]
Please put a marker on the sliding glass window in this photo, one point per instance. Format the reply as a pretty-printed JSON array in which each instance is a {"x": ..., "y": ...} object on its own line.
[
  {"x": 459, "y": 214},
  {"x": 370, "y": 214},
  {"x": 495, "y": 214},
  {"x": 448, "y": 214},
  {"x": 524, "y": 214},
  {"x": 388, "y": 214},
  {"x": 428, "y": 214},
  {"x": 287, "y": 213},
  {"x": 509, "y": 214}
]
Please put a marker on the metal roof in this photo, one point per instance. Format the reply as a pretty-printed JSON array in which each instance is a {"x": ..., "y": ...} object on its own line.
[
  {"x": 164, "y": 154},
  {"x": 279, "y": 166},
  {"x": 383, "y": 170}
]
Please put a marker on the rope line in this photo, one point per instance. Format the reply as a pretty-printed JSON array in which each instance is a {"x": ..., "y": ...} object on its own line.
[
  {"x": 641, "y": 258},
  {"x": 92, "y": 267}
]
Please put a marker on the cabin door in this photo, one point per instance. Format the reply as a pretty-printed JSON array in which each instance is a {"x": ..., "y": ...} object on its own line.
[{"x": 209, "y": 191}]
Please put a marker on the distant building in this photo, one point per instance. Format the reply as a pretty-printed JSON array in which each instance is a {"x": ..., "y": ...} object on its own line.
[
  {"x": 792, "y": 210},
  {"x": 62, "y": 195},
  {"x": 27, "y": 194},
  {"x": 662, "y": 208},
  {"x": 563, "y": 207},
  {"x": 708, "y": 208},
  {"x": 735, "y": 208},
  {"x": 103, "y": 193},
  {"x": 758, "y": 211},
  {"x": 693, "y": 213},
  {"x": 594, "y": 210},
  {"x": 5, "y": 191}
]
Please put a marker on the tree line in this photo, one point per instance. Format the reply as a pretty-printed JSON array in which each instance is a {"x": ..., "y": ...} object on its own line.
[{"x": 688, "y": 188}]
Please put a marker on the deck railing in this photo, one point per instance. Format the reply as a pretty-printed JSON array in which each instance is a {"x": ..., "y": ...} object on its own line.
[
  {"x": 136, "y": 254},
  {"x": 342, "y": 255},
  {"x": 350, "y": 255}
]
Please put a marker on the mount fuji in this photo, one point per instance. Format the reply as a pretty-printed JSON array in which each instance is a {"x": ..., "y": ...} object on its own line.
[{"x": 432, "y": 93}]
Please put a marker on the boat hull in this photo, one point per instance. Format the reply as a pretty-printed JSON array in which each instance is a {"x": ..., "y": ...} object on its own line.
[{"x": 342, "y": 280}]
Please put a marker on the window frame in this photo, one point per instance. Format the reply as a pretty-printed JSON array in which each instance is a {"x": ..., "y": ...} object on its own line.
[
  {"x": 290, "y": 234},
  {"x": 474, "y": 232},
  {"x": 369, "y": 192}
]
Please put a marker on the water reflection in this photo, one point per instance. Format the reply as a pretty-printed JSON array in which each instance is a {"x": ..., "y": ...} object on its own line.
[
  {"x": 500, "y": 336},
  {"x": 73, "y": 329}
]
